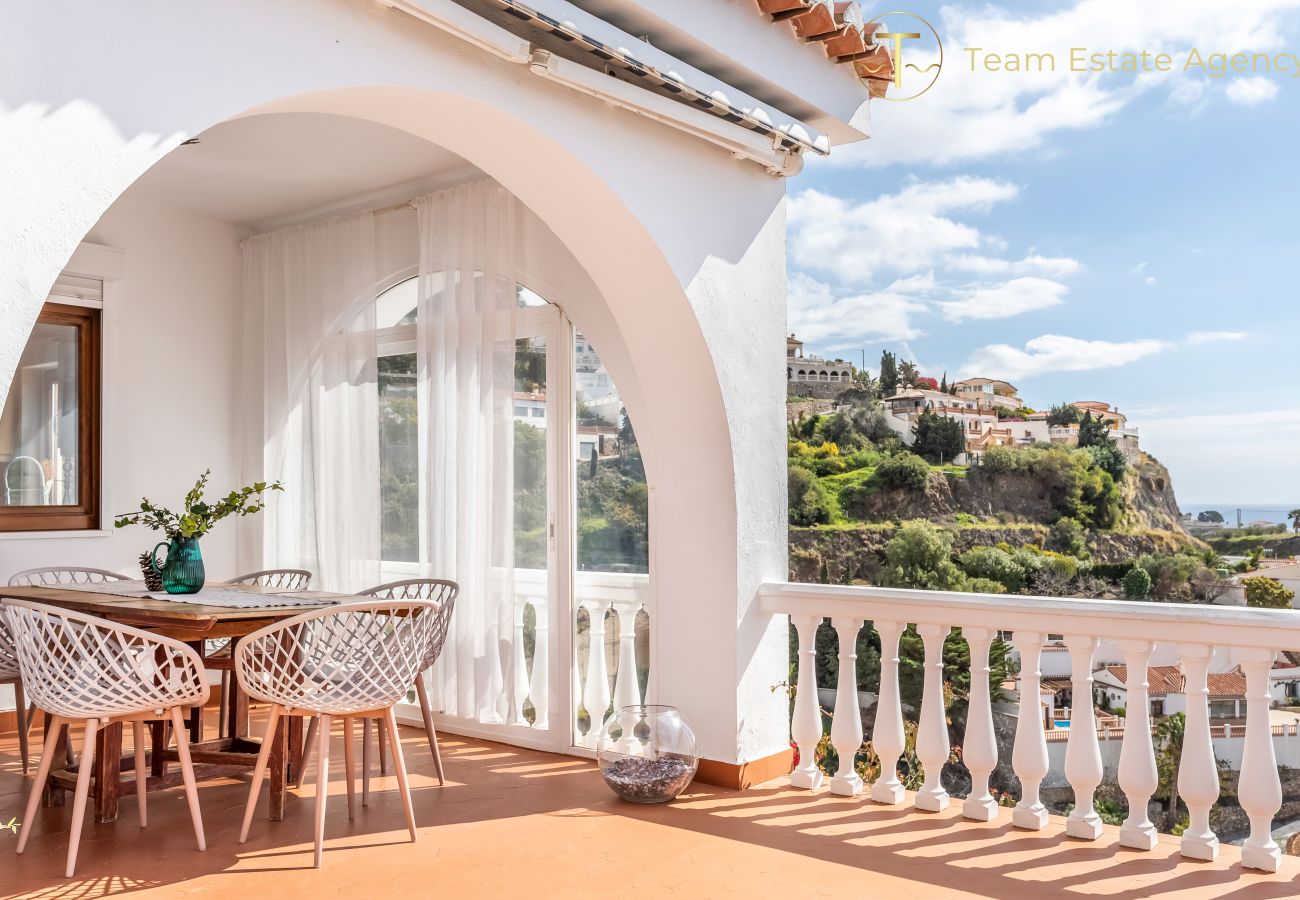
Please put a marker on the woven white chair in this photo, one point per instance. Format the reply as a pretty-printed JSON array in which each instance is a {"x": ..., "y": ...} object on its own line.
[
  {"x": 61, "y": 575},
  {"x": 81, "y": 667},
  {"x": 216, "y": 652},
  {"x": 339, "y": 662},
  {"x": 443, "y": 593},
  {"x": 9, "y": 673},
  {"x": 277, "y": 579},
  {"x": 12, "y": 675}
]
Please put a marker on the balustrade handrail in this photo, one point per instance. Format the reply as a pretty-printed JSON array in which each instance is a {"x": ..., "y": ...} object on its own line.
[{"x": 1236, "y": 626}]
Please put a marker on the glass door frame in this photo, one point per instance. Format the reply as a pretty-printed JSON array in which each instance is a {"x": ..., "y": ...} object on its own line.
[{"x": 550, "y": 323}]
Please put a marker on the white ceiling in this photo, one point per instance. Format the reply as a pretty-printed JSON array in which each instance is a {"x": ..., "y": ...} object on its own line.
[{"x": 263, "y": 168}]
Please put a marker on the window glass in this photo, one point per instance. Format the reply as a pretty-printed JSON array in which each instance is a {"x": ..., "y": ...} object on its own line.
[
  {"x": 530, "y": 453},
  {"x": 39, "y": 427},
  {"x": 398, "y": 459}
]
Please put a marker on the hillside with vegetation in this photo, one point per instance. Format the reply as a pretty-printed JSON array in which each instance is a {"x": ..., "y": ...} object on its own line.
[{"x": 1046, "y": 518}]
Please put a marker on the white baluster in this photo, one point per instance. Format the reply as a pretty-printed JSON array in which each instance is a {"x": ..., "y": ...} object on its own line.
[
  {"x": 887, "y": 737},
  {"x": 806, "y": 726},
  {"x": 1198, "y": 774},
  {"x": 595, "y": 694},
  {"x": 1082, "y": 754},
  {"x": 627, "y": 690},
  {"x": 1029, "y": 755},
  {"x": 932, "y": 746},
  {"x": 1258, "y": 790},
  {"x": 539, "y": 691},
  {"x": 980, "y": 747},
  {"x": 846, "y": 727},
  {"x": 519, "y": 694},
  {"x": 1137, "y": 760}
]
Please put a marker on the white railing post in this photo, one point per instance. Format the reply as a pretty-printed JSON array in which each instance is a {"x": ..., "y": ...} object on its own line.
[
  {"x": 595, "y": 694},
  {"x": 539, "y": 682},
  {"x": 1138, "y": 776},
  {"x": 806, "y": 725},
  {"x": 980, "y": 747},
  {"x": 846, "y": 726},
  {"x": 1082, "y": 754},
  {"x": 887, "y": 737},
  {"x": 1198, "y": 774},
  {"x": 519, "y": 694},
  {"x": 1029, "y": 755},
  {"x": 1259, "y": 791},
  {"x": 627, "y": 688},
  {"x": 932, "y": 746}
]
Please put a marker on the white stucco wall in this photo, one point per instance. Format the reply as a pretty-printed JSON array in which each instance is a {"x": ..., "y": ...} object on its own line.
[{"x": 683, "y": 242}]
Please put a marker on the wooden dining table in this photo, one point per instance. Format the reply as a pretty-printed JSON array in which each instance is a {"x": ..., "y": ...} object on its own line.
[{"x": 194, "y": 622}]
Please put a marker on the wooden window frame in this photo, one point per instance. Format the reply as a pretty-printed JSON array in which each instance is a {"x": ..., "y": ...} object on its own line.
[{"x": 84, "y": 515}]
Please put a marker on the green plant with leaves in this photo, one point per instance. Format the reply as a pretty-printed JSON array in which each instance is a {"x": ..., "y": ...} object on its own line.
[
  {"x": 939, "y": 439},
  {"x": 197, "y": 515},
  {"x": 919, "y": 555},
  {"x": 904, "y": 471},
  {"x": 1168, "y": 735},
  {"x": 1267, "y": 593},
  {"x": 1137, "y": 584},
  {"x": 1294, "y": 516}
]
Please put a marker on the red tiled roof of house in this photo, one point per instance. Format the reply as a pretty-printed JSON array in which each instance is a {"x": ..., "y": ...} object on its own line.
[
  {"x": 1170, "y": 680},
  {"x": 840, "y": 29}
]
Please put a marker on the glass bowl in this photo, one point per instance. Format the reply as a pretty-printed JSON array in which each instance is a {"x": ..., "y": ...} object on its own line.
[{"x": 647, "y": 753}]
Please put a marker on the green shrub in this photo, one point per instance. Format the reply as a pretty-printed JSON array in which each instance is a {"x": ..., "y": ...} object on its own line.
[
  {"x": 1137, "y": 583},
  {"x": 810, "y": 504},
  {"x": 905, "y": 471},
  {"x": 1067, "y": 536},
  {"x": 985, "y": 586},
  {"x": 1169, "y": 574},
  {"x": 994, "y": 564},
  {"x": 1268, "y": 593},
  {"x": 919, "y": 556}
]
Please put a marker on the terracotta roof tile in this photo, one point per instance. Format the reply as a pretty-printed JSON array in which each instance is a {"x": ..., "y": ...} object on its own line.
[
  {"x": 1170, "y": 680},
  {"x": 840, "y": 29}
]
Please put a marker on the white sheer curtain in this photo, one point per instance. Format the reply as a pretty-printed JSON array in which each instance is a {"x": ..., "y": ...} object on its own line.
[
  {"x": 469, "y": 241},
  {"x": 311, "y": 391}
]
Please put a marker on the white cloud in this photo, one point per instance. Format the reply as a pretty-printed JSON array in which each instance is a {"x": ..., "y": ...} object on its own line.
[
  {"x": 1196, "y": 338},
  {"x": 1057, "y": 353},
  {"x": 1001, "y": 301},
  {"x": 1149, "y": 280},
  {"x": 833, "y": 322},
  {"x": 902, "y": 232},
  {"x": 982, "y": 114},
  {"x": 1251, "y": 91},
  {"x": 1055, "y": 266}
]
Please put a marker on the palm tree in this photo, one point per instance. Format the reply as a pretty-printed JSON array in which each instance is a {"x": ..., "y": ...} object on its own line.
[
  {"x": 1169, "y": 741},
  {"x": 1294, "y": 516}
]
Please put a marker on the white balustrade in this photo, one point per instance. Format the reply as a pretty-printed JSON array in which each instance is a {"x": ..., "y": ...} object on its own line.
[
  {"x": 540, "y": 677},
  {"x": 595, "y": 693},
  {"x": 932, "y": 746},
  {"x": 887, "y": 737},
  {"x": 1197, "y": 632},
  {"x": 1198, "y": 773},
  {"x": 1138, "y": 776},
  {"x": 806, "y": 725},
  {"x": 604, "y": 595},
  {"x": 1258, "y": 790},
  {"x": 1082, "y": 755},
  {"x": 627, "y": 691},
  {"x": 1029, "y": 753},
  {"x": 846, "y": 728},
  {"x": 519, "y": 664},
  {"x": 980, "y": 749}
]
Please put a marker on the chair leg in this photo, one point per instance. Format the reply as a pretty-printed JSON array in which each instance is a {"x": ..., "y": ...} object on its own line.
[
  {"x": 83, "y": 790},
  {"x": 383, "y": 755},
  {"x": 399, "y": 763},
  {"x": 429, "y": 730},
  {"x": 141, "y": 773},
  {"x": 53, "y": 728},
  {"x": 349, "y": 761},
  {"x": 259, "y": 770},
  {"x": 68, "y": 755},
  {"x": 224, "y": 709},
  {"x": 306, "y": 752},
  {"x": 365, "y": 761},
  {"x": 20, "y": 710},
  {"x": 322, "y": 785},
  {"x": 187, "y": 772}
]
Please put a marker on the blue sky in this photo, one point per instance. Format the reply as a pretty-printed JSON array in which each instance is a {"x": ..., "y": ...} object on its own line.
[{"x": 1118, "y": 237}]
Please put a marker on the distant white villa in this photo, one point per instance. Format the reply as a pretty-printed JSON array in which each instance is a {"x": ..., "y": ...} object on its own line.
[{"x": 805, "y": 369}]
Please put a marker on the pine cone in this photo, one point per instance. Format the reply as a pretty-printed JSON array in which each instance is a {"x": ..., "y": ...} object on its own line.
[{"x": 152, "y": 579}]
